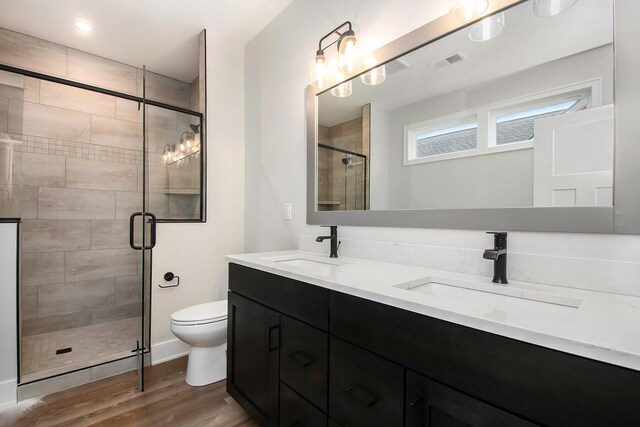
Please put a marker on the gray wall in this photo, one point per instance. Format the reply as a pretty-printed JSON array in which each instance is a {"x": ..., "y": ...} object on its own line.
[{"x": 494, "y": 180}]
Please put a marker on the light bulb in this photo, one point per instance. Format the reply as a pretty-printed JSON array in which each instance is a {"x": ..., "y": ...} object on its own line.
[
  {"x": 319, "y": 71},
  {"x": 342, "y": 90},
  {"x": 487, "y": 29},
  {"x": 348, "y": 58},
  {"x": 376, "y": 75},
  {"x": 467, "y": 10},
  {"x": 182, "y": 146},
  {"x": 546, "y": 8},
  {"x": 189, "y": 143},
  {"x": 165, "y": 157}
]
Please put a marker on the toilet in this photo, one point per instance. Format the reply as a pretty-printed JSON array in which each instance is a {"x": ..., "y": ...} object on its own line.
[{"x": 204, "y": 328}]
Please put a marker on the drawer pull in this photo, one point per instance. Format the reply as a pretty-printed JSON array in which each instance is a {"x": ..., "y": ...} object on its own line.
[
  {"x": 301, "y": 358},
  {"x": 274, "y": 338},
  {"x": 361, "y": 395}
]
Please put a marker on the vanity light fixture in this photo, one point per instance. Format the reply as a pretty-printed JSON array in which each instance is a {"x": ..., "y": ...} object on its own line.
[
  {"x": 347, "y": 54},
  {"x": 83, "y": 25},
  {"x": 468, "y": 10},
  {"x": 487, "y": 29},
  {"x": 546, "y": 8},
  {"x": 187, "y": 146}
]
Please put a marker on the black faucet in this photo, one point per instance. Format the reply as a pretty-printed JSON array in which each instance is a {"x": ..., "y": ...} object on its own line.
[
  {"x": 499, "y": 256},
  {"x": 334, "y": 240}
]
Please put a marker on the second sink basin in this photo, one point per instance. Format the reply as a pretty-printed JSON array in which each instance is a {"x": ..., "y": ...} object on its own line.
[
  {"x": 451, "y": 287},
  {"x": 497, "y": 301}
]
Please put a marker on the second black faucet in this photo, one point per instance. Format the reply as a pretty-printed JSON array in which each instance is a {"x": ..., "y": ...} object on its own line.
[{"x": 499, "y": 256}]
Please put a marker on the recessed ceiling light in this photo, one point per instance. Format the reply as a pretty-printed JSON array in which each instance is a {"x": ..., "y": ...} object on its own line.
[{"x": 83, "y": 25}]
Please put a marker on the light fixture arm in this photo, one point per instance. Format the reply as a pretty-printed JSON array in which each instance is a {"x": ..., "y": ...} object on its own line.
[{"x": 335, "y": 31}]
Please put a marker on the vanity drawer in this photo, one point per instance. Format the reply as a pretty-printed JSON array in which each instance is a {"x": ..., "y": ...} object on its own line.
[
  {"x": 297, "y": 412},
  {"x": 364, "y": 389},
  {"x": 299, "y": 300},
  {"x": 303, "y": 360},
  {"x": 537, "y": 383}
]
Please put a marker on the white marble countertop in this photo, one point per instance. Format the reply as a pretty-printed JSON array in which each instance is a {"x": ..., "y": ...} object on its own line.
[{"x": 603, "y": 327}]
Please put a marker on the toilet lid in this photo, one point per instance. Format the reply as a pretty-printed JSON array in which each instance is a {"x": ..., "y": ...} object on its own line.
[{"x": 208, "y": 312}]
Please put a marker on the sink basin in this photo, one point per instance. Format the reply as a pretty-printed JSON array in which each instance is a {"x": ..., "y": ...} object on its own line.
[
  {"x": 497, "y": 301},
  {"x": 322, "y": 267}
]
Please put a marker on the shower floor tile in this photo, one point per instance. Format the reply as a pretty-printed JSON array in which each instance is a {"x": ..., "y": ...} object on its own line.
[{"x": 90, "y": 345}]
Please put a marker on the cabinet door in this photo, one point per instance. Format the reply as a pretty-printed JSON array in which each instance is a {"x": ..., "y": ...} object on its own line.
[
  {"x": 429, "y": 403},
  {"x": 252, "y": 358},
  {"x": 297, "y": 412},
  {"x": 364, "y": 389},
  {"x": 303, "y": 360}
]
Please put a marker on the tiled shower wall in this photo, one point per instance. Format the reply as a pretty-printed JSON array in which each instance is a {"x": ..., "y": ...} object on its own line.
[
  {"x": 77, "y": 178},
  {"x": 336, "y": 184}
]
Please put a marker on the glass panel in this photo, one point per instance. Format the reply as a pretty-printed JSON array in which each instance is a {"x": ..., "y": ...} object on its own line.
[
  {"x": 449, "y": 140},
  {"x": 69, "y": 168},
  {"x": 175, "y": 164},
  {"x": 519, "y": 126}
]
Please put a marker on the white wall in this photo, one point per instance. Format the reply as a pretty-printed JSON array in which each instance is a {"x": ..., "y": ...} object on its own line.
[
  {"x": 277, "y": 66},
  {"x": 276, "y": 73},
  {"x": 8, "y": 330},
  {"x": 196, "y": 252}
]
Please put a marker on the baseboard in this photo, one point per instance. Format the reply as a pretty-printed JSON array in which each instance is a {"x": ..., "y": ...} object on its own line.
[
  {"x": 168, "y": 350},
  {"x": 8, "y": 393}
]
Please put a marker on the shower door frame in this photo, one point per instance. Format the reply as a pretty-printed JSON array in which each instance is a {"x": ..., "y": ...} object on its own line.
[{"x": 146, "y": 275}]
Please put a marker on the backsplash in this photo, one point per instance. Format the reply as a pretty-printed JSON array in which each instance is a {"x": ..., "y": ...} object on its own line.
[{"x": 570, "y": 264}]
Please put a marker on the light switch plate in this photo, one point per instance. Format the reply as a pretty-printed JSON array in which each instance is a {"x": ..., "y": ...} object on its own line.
[{"x": 287, "y": 211}]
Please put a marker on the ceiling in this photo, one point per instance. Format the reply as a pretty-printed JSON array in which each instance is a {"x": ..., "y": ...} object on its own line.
[
  {"x": 161, "y": 34},
  {"x": 527, "y": 41}
]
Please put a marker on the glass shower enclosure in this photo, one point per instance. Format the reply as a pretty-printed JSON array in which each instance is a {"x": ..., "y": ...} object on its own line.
[{"x": 86, "y": 170}]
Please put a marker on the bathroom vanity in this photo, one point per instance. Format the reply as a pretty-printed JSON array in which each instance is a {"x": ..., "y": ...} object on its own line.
[{"x": 314, "y": 341}]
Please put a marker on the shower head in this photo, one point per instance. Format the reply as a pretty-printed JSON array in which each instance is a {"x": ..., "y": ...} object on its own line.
[
  {"x": 348, "y": 160},
  {"x": 195, "y": 128}
]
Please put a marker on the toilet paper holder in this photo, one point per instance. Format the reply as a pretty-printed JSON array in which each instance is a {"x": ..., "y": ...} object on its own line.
[{"x": 169, "y": 276}]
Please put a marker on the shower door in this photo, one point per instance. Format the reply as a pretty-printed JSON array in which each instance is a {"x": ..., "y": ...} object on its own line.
[{"x": 72, "y": 168}]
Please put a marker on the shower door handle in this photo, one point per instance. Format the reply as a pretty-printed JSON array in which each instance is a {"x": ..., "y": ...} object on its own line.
[{"x": 152, "y": 221}]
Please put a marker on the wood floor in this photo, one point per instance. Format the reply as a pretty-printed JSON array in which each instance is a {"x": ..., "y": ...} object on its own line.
[{"x": 115, "y": 401}]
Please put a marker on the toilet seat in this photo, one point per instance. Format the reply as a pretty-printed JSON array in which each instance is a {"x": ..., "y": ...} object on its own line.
[{"x": 201, "y": 314}]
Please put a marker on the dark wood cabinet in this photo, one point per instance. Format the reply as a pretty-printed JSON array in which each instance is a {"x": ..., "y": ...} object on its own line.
[
  {"x": 253, "y": 336},
  {"x": 309, "y": 355},
  {"x": 537, "y": 383},
  {"x": 295, "y": 411},
  {"x": 364, "y": 389},
  {"x": 431, "y": 404},
  {"x": 303, "y": 360}
]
